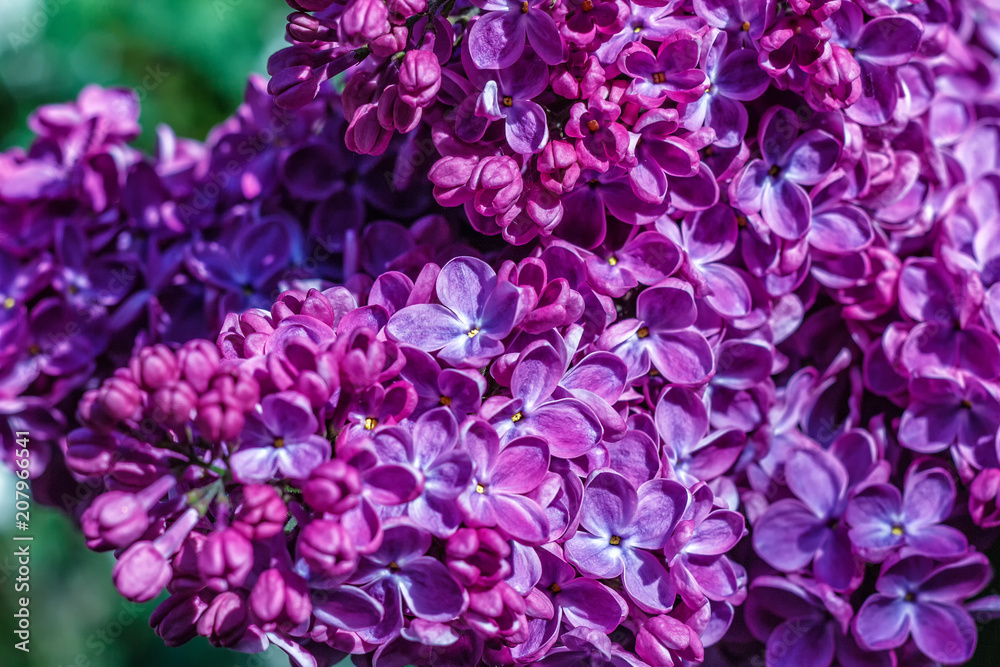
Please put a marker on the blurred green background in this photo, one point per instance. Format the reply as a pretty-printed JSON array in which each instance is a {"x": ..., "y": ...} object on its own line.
[{"x": 187, "y": 59}]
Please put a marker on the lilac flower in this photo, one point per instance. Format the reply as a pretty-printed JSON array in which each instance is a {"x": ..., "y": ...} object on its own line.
[
  {"x": 622, "y": 526},
  {"x": 496, "y": 40},
  {"x": 644, "y": 22},
  {"x": 670, "y": 74},
  {"x": 883, "y": 520},
  {"x": 916, "y": 598},
  {"x": 568, "y": 426},
  {"x": 772, "y": 186},
  {"x": 693, "y": 454},
  {"x": 400, "y": 572},
  {"x": 710, "y": 236},
  {"x": 662, "y": 336},
  {"x": 281, "y": 439},
  {"x": 446, "y": 469},
  {"x": 459, "y": 391},
  {"x": 945, "y": 412},
  {"x": 807, "y": 529},
  {"x": 508, "y": 97},
  {"x": 732, "y": 78},
  {"x": 476, "y": 313},
  {"x": 746, "y": 18},
  {"x": 501, "y": 480},
  {"x": 878, "y": 46}
]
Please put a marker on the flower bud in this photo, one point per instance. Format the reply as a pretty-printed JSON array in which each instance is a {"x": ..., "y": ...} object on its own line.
[
  {"x": 333, "y": 487},
  {"x": 175, "y": 619},
  {"x": 280, "y": 599},
  {"x": 154, "y": 367},
  {"x": 327, "y": 548},
  {"x": 363, "y": 21},
  {"x": 664, "y": 641},
  {"x": 197, "y": 361},
  {"x": 419, "y": 78},
  {"x": 226, "y": 559},
  {"x": 294, "y": 87},
  {"x": 262, "y": 514},
  {"x": 175, "y": 403},
  {"x": 141, "y": 572},
  {"x": 225, "y": 620},
  {"x": 983, "y": 494},
  {"x": 478, "y": 556}
]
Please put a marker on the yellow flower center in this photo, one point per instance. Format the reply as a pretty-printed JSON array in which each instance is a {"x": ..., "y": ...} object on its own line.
[
  {"x": 279, "y": 443},
  {"x": 9, "y": 302},
  {"x": 445, "y": 401},
  {"x": 897, "y": 530},
  {"x": 593, "y": 125},
  {"x": 480, "y": 488},
  {"x": 659, "y": 77},
  {"x": 555, "y": 588},
  {"x": 967, "y": 404},
  {"x": 516, "y": 417},
  {"x": 371, "y": 423},
  {"x": 472, "y": 332},
  {"x": 745, "y": 27},
  {"x": 642, "y": 333},
  {"x": 615, "y": 541},
  {"x": 524, "y": 7},
  {"x": 587, "y": 5},
  {"x": 612, "y": 260},
  {"x": 508, "y": 101}
]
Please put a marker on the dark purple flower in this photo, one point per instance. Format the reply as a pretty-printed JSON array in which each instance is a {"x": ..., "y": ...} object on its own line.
[{"x": 916, "y": 598}]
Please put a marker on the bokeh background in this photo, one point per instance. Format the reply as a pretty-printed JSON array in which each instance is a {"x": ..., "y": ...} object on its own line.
[{"x": 188, "y": 61}]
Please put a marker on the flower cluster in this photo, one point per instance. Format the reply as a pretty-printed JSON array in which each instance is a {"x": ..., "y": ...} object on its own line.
[
  {"x": 548, "y": 117},
  {"x": 335, "y": 478},
  {"x": 748, "y": 288},
  {"x": 101, "y": 246}
]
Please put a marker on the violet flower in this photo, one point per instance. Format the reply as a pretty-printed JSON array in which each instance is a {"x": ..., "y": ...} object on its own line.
[{"x": 622, "y": 526}]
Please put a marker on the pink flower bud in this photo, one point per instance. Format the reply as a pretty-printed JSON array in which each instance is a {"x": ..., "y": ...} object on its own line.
[
  {"x": 333, "y": 487},
  {"x": 478, "y": 556},
  {"x": 225, "y": 620},
  {"x": 365, "y": 133},
  {"x": 280, "y": 599},
  {"x": 174, "y": 404},
  {"x": 983, "y": 493},
  {"x": 197, "y": 361},
  {"x": 175, "y": 619},
  {"x": 419, "y": 78},
  {"x": 226, "y": 559},
  {"x": 141, "y": 572},
  {"x": 392, "y": 42},
  {"x": 363, "y": 21},
  {"x": 664, "y": 641},
  {"x": 327, "y": 548},
  {"x": 263, "y": 513},
  {"x": 154, "y": 367},
  {"x": 294, "y": 87}
]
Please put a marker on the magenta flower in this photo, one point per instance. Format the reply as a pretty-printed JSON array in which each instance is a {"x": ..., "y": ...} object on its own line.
[
  {"x": 400, "y": 572},
  {"x": 508, "y": 97},
  {"x": 282, "y": 439},
  {"x": 568, "y": 426},
  {"x": 501, "y": 481},
  {"x": 622, "y": 526},
  {"x": 672, "y": 73}
]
